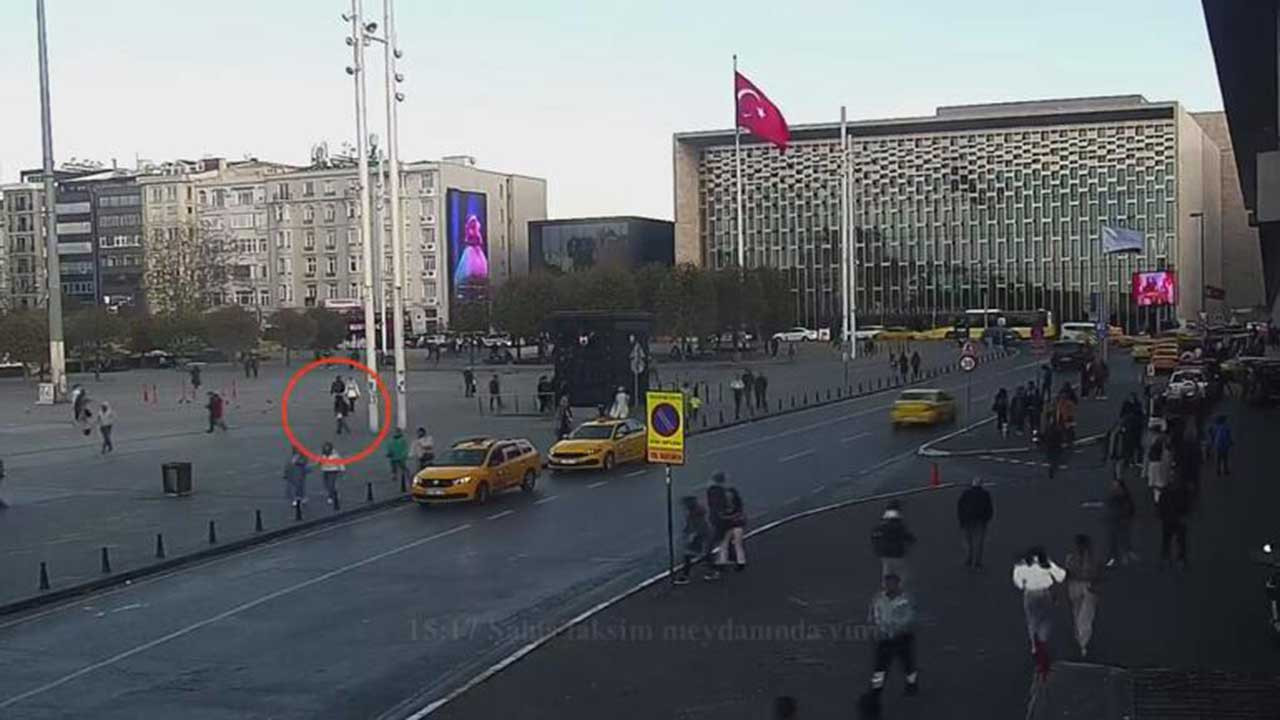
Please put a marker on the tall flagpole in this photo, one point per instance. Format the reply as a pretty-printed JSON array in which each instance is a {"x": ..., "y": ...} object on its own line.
[
  {"x": 737, "y": 162},
  {"x": 394, "y": 98},
  {"x": 358, "y": 36},
  {"x": 53, "y": 278},
  {"x": 852, "y": 277},
  {"x": 846, "y": 332}
]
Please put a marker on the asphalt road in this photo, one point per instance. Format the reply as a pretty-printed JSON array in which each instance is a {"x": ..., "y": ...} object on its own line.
[{"x": 379, "y": 615}]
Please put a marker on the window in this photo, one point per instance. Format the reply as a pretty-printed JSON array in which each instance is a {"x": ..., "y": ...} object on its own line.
[
  {"x": 330, "y": 213},
  {"x": 331, "y": 291},
  {"x": 284, "y": 239},
  {"x": 244, "y": 297},
  {"x": 428, "y": 234},
  {"x": 330, "y": 239},
  {"x": 119, "y": 201},
  {"x": 284, "y": 294},
  {"x": 309, "y": 240},
  {"x": 310, "y": 299},
  {"x": 245, "y": 197},
  {"x": 353, "y": 290},
  {"x": 429, "y": 262},
  {"x": 328, "y": 187},
  {"x": 282, "y": 191},
  {"x": 156, "y": 194},
  {"x": 308, "y": 188},
  {"x": 262, "y": 271},
  {"x": 171, "y": 193},
  {"x": 219, "y": 198},
  {"x": 282, "y": 266},
  {"x": 331, "y": 266},
  {"x": 262, "y": 245},
  {"x": 311, "y": 267},
  {"x": 308, "y": 214},
  {"x": 351, "y": 238},
  {"x": 264, "y": 297},
  {"x": 353, "y": 264}
]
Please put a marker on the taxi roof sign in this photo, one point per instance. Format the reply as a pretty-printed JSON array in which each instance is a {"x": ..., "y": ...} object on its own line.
[{"x": 665, "y": 427}]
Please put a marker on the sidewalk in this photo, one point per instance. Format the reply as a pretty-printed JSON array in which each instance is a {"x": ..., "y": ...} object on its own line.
[{"x": 793, "y": 624}]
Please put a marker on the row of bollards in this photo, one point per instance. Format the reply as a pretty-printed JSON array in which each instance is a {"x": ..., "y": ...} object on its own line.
[{"x": 161, "y": 553}]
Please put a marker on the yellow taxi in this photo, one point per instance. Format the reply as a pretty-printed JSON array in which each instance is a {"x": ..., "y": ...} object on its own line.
[
  {"x": 600, "y": 445},
  {"x": 1164, "y": 357},
  {"x": 923, "y": 406},
  {"x": 476, "y": 469},
  {"x": 937, "y": 333}
]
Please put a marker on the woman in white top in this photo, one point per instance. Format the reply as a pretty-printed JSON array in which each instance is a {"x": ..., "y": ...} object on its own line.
[
  {"x": 1036, "y": 575},
  {"x": 331, "y": 469}
]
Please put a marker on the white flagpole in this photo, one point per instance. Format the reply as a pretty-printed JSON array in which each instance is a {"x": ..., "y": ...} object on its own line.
[
  {"x": 846, "y": 332},
  {"x": 737, "y": 161},
  {"x": 850, "y": 253}
]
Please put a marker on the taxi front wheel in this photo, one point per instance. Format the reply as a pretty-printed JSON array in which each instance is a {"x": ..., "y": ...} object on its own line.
[
  {"x": 482, "y": 494},
  {"x": 608, "y": 462},
  {"x": 530, "y": 479}
]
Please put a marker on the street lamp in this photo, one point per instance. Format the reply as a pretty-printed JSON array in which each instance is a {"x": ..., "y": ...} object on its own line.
[{"x": 357, "y": 40}]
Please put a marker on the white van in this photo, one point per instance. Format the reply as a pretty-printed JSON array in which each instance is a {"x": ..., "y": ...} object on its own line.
[{"x": 1078, "y": 331}]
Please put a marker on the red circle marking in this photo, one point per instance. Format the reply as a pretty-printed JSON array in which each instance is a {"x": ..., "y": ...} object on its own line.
[{"x": 386, "y": 410}]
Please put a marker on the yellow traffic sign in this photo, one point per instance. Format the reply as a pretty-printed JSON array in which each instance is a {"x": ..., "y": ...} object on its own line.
[{"x": 665, "y": 411}]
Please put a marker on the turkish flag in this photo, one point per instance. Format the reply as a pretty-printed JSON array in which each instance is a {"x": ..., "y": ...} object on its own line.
[{"x": 757, "y": 115}]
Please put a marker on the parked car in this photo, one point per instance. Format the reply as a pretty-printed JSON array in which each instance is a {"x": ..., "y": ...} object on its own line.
[
  {"x": 1070, "y": 355},
  {"x": 1187, "y": 384},
  {"x": 492, "y": 341},
  {"x": 797, "y": 334}
]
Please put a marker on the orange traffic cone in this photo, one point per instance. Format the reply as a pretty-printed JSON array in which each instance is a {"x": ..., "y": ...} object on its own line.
[{"x": 935, "y": 475}]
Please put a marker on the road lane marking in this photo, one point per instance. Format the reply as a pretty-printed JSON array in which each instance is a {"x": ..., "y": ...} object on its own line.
[
  {"x": 546, "y": 499},
  {"x": 502, "y": 514},
  {"x": 598, "y": 484},
  {"x": 817, "y": 490},
  {"x": 224, "y": 615},
  {"x": 795, "y": 456},
  {"x": 851, "y": 438},
  {"x": 791, "y": 500},
  {"x": 636, "y": 473}
]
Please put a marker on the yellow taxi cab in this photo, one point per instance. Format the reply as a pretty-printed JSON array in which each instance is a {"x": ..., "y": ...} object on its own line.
[
  {"x": 600, "y": 445},
  {"x": 937, "y": 333},
  {"x": 1164, "y": 357},
  {"x": 476, "y": 469},
  {"x": 923, "y": 406}
]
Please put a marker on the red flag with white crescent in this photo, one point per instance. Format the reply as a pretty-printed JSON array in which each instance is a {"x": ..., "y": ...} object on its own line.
[{"x": 758, "y": 115}]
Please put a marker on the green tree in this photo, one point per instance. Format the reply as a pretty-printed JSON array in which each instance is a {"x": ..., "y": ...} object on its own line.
[
  {"x": 26, "y": 337},
  {"x": 469, "y": 316},
  {"x": 523, "y": 303},
  {"x": 232, "y": 329},
  {"x": 330, "y": 328},
  {"x": 291, "y": 329},
  {"x": 776, "y": 306},
  {"x": 180, "y": 333},
  {"x": 686, "y": 303},
  {"x": 647, "y": 281},
  {"x": 93, "y": 333}
]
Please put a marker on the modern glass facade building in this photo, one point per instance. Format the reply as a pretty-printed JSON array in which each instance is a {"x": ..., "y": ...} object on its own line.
[{"x": 996, "y": 206}]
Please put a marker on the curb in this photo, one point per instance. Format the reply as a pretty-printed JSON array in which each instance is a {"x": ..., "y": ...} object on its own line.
[
  {"x": 927, "y": 450},
  {"x": 125, "y": 578},
  {"x": 581, "y": 617}
]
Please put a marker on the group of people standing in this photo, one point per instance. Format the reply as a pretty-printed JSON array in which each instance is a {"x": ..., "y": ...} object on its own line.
[
  {"x": 907, "y": 366},
  {"x": 753, "y": 390},
  {"x": 346, "y": 393},
  {"x": 713, "y": 531}
]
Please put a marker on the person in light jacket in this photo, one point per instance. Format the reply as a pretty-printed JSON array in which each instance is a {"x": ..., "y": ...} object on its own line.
[
  {"x": 894, "y": 617},
  {"x": 106, "y": 421},
  {"x": 1036, "y": 576},
  {"x": 331, "y": 468}
]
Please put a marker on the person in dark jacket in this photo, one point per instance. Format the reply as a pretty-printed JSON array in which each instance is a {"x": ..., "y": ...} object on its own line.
[
  {"x": 1119, "y": 509},
  {"x": 1000, "y": 406},
  {"x": 891, "y": 540},
  {"x": 728, "y": 520},
  {"x": 340, "y": 411},
  {"x": 1018, "y": 409},
  {"x": 1053, "y": 440},
  {"x": 974, "y": 511},
  {"x": 902, "y": 365},
  {"x": 696, "y": 534},
  {"x": 762, "y": 392},
  {"x": 1174, "y": 504},
  {"x": 915, "y": 364},
  {"x": 1046, "y": 382}
]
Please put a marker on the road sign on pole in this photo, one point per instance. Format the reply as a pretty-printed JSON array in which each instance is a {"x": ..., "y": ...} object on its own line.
[
  {"x": 665, "y": 412},
  {"x": 968, "y": 363}
]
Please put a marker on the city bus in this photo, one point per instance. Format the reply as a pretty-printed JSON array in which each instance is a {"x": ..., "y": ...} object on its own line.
[{"x": 1021, "y": 322}]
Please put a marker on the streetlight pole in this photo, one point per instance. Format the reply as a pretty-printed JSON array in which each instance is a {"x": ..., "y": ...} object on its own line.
[
  {"x": 392, "y": 53},
  {"x": 57, "y": 348},
  {"x": 357, "y": 41}
]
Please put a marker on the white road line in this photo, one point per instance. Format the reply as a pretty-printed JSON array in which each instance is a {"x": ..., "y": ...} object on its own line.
[
  {"x": 817, "y": 490},
  {"x": 795, "y": 456},
  {"x": 502, "y": 514},
  {"x": 791, "y": 500},
  {"x": 636, "y": 473},
  {"x": 851, "y": 438},
  {"x": 224, "y": 615},
  {"x": 546, "y": 499},
  {"x": 598, "y": 484}
]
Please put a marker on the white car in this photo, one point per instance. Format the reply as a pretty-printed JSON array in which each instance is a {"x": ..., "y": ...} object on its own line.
[
  {"x": 493, "y": 341},
  {"x": 869, "y": 332},
  {"x": 1187, "y": 384},
  {"x": 797, "y": 334}
]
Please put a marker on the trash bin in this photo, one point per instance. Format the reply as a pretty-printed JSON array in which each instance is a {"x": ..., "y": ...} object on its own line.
[{"x": 177, "y": 478}]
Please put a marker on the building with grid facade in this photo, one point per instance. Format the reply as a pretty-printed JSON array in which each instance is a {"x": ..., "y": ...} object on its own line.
[{"x": 996, "y": 206}]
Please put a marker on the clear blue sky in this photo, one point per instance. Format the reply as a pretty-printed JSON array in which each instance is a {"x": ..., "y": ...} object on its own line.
[{"x": 585, "y": 94}]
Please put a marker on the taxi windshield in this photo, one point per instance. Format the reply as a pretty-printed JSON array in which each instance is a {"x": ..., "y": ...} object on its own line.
[
  {"x": 917, "y": 396},
  {"x": 461, "y": 457},
  {"x": 592, "y": 432}
]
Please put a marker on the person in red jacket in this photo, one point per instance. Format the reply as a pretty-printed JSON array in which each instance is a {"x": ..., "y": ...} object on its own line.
[{"x": 215, "y": 408}]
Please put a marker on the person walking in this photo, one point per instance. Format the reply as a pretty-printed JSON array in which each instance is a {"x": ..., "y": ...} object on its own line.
[
  {"x": 1159, "y": 460},
  {"x": 891, "y": 540},
  {"x": 216, "y": 408},
  {"x": 974, "y": 510},
  {"x": 1018, "y": 409},
  {"x": 564, "y": 418},
  {"x": 1034, "y": 412},
  {"x": 106, "y": 421},
  {"x": 915, "y": 364},
  {"x": 195, "y": 379},
  {"x": 621, "y": 407},
  {"x": 1053, "y": 441},
  {"x": 495, "y": 393},
  {"x": 1037, "y": 576},
  {"x": 749, "y": 390},
  {"x": 1221, "y": 442},
  {"x": 1086, "y": 380},
  {"x": 1000, "y": 406},
  {"x": 1082, "y": 578},
  {"x": 338, "y": 388},
  {"x": 1119, "y": 511},
  {"x": 468, "y": 382},
  {"x": 694, "y": 537},
  {"x": 331, "y": 468},
  {"x": 340, "y": 410},
  {"x": 733, "y": 519},
  {"x": 1101, "y": 373},
  {"x": 1173, "y": 506},
  {"x": 423, "y": 448},
  {"x": 254, "y": 362},
  {"x": 3, "y": 504},
  {"x": 352, "y": 393},
  {"x": 1046, "y": 382},
  {"x": 295, "y": 478},
  {"x": 738, "y": 388},
  {"x": 893, "y": 615},
  {"x": 762, "y": 392},
  {"x": 398, "y": 456},
  {"x": 544, "y": 394},
  {"x": 903, "y": 365}
]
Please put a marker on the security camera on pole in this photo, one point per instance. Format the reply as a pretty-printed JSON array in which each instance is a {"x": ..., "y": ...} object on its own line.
[{"x": 360, "y": 32}]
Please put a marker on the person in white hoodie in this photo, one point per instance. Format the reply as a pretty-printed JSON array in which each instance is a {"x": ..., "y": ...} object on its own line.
[
  {"x": 621, "y": 407},
  {"x": 1036, "y": 576},
  {"x": 331, "y": 469},
  {"x": 106, "y": 420}
]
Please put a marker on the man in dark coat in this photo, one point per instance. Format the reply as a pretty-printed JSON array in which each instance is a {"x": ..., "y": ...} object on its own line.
[
  {"x": 891, "y": 540},
  {"x": 974, "y": 510}
]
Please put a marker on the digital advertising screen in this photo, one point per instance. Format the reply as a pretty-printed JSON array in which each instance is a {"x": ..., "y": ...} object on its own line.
[
  {"x": 467, "y": 226},
  {"x": 1156, "y": 288}
]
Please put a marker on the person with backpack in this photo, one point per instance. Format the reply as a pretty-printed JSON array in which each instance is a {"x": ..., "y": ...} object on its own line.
[
  {"x": 694, "y": 537},
  {"x": 891, "y": 541},
  {"x": 331, "y": 468},
  {"x": 724, "y": 508},
  {"x": 1000, "y": 406},
  {"x": 974, "y": 511}
]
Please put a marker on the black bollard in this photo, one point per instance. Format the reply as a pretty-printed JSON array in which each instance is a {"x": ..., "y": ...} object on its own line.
[
  {"x": 106, "y": 560},
  {"x": 704, "y": 421},
  {"x": 828, "y": 393},
  {"x": 368, "y": 492},
  {"x": 297, "y": 511},
  {"x": 859, "y": 388},
  {"x": 779, "y": 404},
  {"x": 793, "y": 401},
  {"x": 721, "y": 390},
  {"x": 337, "y": 501},
  {"x": 257, "y": 521},
  {"x": 722, "y": 416},
  {"x": 44, "y": 576},
  {"x": 213, "y": 534},
  {"x": 402, "y": 486},
  {"x": 159, "y": 546}
]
